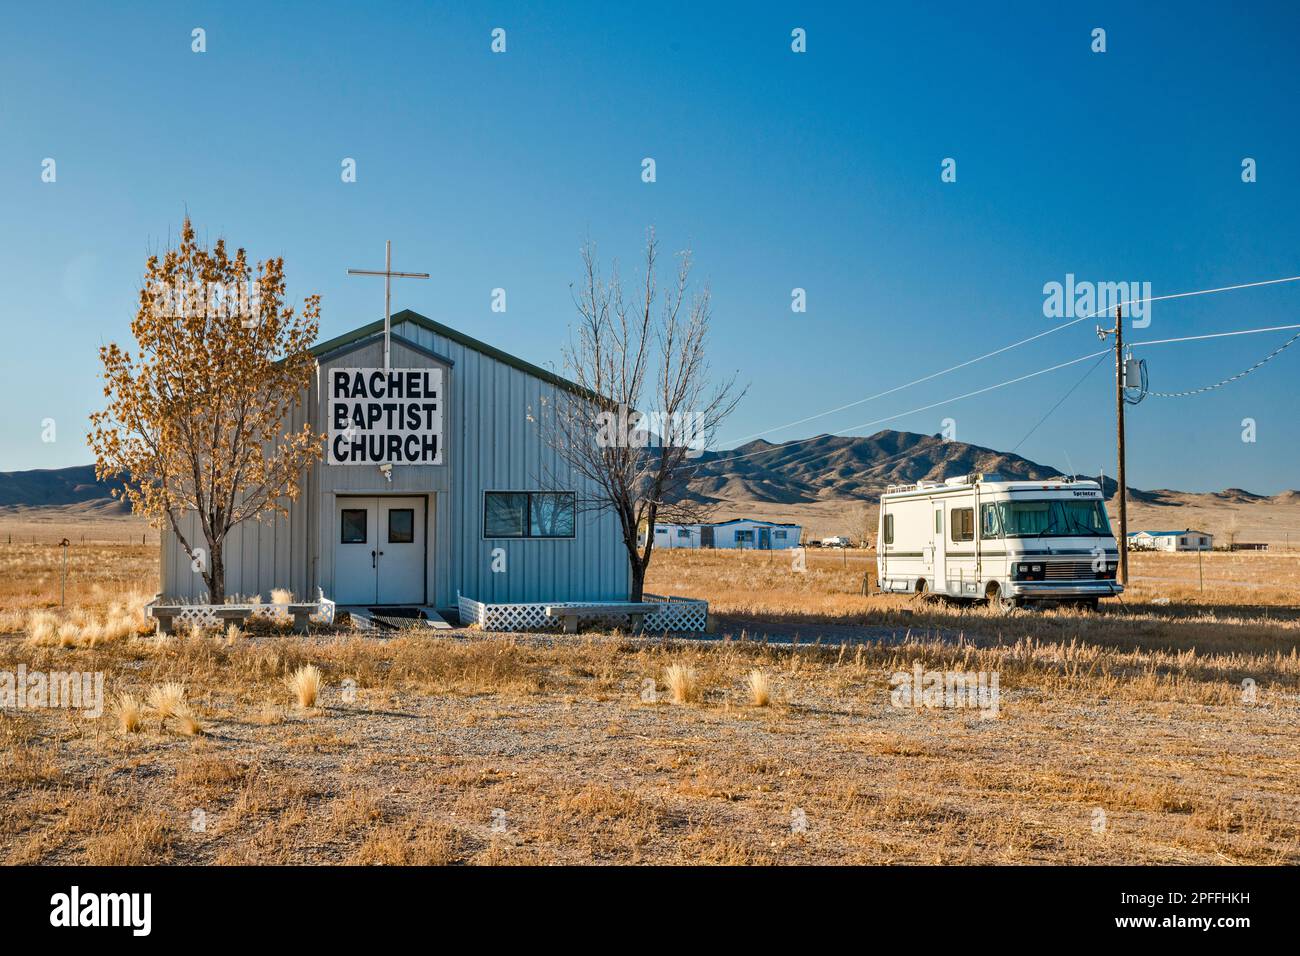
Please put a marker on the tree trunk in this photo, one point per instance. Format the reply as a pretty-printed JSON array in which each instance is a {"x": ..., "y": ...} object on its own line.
[
  {"x": 638, "y": 580},
  {"x": 216, "y": 576}
]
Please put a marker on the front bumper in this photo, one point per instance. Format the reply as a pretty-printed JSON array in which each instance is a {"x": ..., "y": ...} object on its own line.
[{"x": 1065, "y": 590}]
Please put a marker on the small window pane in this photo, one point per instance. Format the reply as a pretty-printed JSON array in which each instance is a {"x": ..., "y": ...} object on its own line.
[
  {"x": 504, "y": 514},
  {"x": 990, "y": 527},
  {"x": 401, "y": 526},
  {"x": 963, "y": 524},
  {"x": 353, "y": 526},
  {"x": 551, "y": 515},
  {"x": 889, "y": 529}
]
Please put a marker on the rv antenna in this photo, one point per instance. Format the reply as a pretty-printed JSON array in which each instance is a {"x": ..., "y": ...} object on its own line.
[{"x": 1073, "y": 474}]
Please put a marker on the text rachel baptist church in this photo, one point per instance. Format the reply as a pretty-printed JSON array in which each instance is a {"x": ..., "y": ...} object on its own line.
[{"x": 379, "y": 416}]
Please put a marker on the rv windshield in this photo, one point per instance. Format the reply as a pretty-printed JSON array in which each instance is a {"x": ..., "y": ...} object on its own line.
[{"x": 1053, "y": 519}]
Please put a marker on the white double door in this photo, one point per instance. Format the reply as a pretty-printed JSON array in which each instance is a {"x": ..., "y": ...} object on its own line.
[{"x": 379, "y": 550}]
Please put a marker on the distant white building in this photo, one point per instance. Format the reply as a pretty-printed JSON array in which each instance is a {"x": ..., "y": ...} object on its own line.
[
  {"x": 739, "y": 533},
  {"x": 1188, "y": 540}
]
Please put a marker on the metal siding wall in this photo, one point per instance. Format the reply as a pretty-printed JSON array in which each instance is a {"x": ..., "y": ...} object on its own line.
[{"x": 502, "y": 450}]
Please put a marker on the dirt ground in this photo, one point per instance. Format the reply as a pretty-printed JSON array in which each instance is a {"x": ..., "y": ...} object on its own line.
[{"x": 1162, "y": 730}]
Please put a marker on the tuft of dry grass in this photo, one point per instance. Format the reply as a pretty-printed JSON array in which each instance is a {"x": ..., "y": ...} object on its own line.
[
  {"x": 190, "y": 725},
  {"x": 760, "y": 688},
  {"x": 129, "y": 713},
  {"x": 682, "y": 683},
  {"x": 305, "y": 684},
  {"x": 43, "y": 628},
  {"x": 167, "y": 699}
]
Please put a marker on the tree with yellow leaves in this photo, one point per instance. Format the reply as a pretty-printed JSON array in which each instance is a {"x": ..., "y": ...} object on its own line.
[{"x": 198, "y": 418}]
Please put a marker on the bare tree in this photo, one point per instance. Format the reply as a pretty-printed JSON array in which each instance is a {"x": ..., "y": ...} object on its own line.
[{"x": 645, "y": 409}]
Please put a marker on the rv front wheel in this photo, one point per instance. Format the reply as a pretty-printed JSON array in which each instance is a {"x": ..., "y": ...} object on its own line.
[{"x": 1000, "y": 602}]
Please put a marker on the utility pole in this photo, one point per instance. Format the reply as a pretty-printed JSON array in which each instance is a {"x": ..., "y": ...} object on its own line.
[{"x": 1122, "y": 489}]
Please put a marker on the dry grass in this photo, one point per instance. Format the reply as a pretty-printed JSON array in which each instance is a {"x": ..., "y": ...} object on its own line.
[
  {"x": 189, "y": 724},
  {"x": 305, "y": 685},
  {"x": 682, "y": 683},
  {"x": 1138, "y": 712},
  {"x": 167, "y": 700},
  {"x": 129, "y": 713}
]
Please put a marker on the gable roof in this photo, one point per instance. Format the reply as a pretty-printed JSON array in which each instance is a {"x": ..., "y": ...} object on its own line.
[
  {"x": 415, "y": 318},
  {"x": 1166, "y": 534},
  {"x": 322, "y": 353}
]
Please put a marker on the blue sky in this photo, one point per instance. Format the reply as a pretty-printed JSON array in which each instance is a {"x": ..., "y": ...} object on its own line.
[{"x": 780, "y": 170}]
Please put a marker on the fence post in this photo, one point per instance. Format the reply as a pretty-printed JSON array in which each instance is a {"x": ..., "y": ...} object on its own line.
[{"x": 63, "y": 584}]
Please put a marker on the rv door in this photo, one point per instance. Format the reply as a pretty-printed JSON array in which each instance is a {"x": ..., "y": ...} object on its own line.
[{"x": 939, "y": 551}]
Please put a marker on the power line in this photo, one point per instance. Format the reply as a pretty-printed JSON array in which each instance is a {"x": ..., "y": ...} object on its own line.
[
  {"x": 1242, "y": 374},
  {"x": 1043, "y": 371},
  {"x": 1059, "y": 403},
  {"x": 1013, "y": 345},
  {"x": 1215, "y": 335},
  {"x": 923, "y": 408}
]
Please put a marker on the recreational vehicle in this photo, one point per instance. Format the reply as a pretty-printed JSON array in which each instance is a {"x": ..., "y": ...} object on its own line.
[{"x": 982, "y": 537}]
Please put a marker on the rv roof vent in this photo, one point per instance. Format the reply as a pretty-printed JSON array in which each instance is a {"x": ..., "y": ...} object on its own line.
[
  {"x": 923, "y": 483},
  {"x": 959, "y": 480}
]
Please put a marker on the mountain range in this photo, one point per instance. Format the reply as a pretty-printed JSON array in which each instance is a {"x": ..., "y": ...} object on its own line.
[{"x": 820, "y": 469}]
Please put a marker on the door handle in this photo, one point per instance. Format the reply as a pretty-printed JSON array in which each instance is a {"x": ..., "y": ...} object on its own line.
[{"x": 373, "y": 561}]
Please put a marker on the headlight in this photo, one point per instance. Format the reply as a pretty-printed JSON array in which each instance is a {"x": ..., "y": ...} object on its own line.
[
  {"x": 1038, "y": 568},
  {"x": 1024, "y": 569}
]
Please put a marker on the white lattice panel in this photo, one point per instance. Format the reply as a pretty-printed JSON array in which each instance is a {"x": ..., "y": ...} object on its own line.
[
  {"x": 203, "y": 616},
  {"x": 679, "y": 616},
  {"x": 200, "y": 615},
  {"x": 673, "y": 615}
]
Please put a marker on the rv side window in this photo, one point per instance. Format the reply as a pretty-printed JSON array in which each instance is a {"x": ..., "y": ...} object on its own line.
[
  {"x": 889, "y": 529},
  {"x": 963, "y": 524},
  {"x": 938, "y": 521},
  {"x": 990, "y": 527}
]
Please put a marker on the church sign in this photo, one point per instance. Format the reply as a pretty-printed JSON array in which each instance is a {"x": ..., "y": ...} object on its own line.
[{"x": 385, "y": 416}]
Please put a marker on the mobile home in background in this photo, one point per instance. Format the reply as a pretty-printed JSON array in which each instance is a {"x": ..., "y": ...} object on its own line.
[
  {"x": 1188, "y": 540},
  {"x": 749, "y": 534}
]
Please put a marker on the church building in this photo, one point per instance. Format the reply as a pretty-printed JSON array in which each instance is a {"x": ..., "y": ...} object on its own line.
[{"x": 437, "y": 481}]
